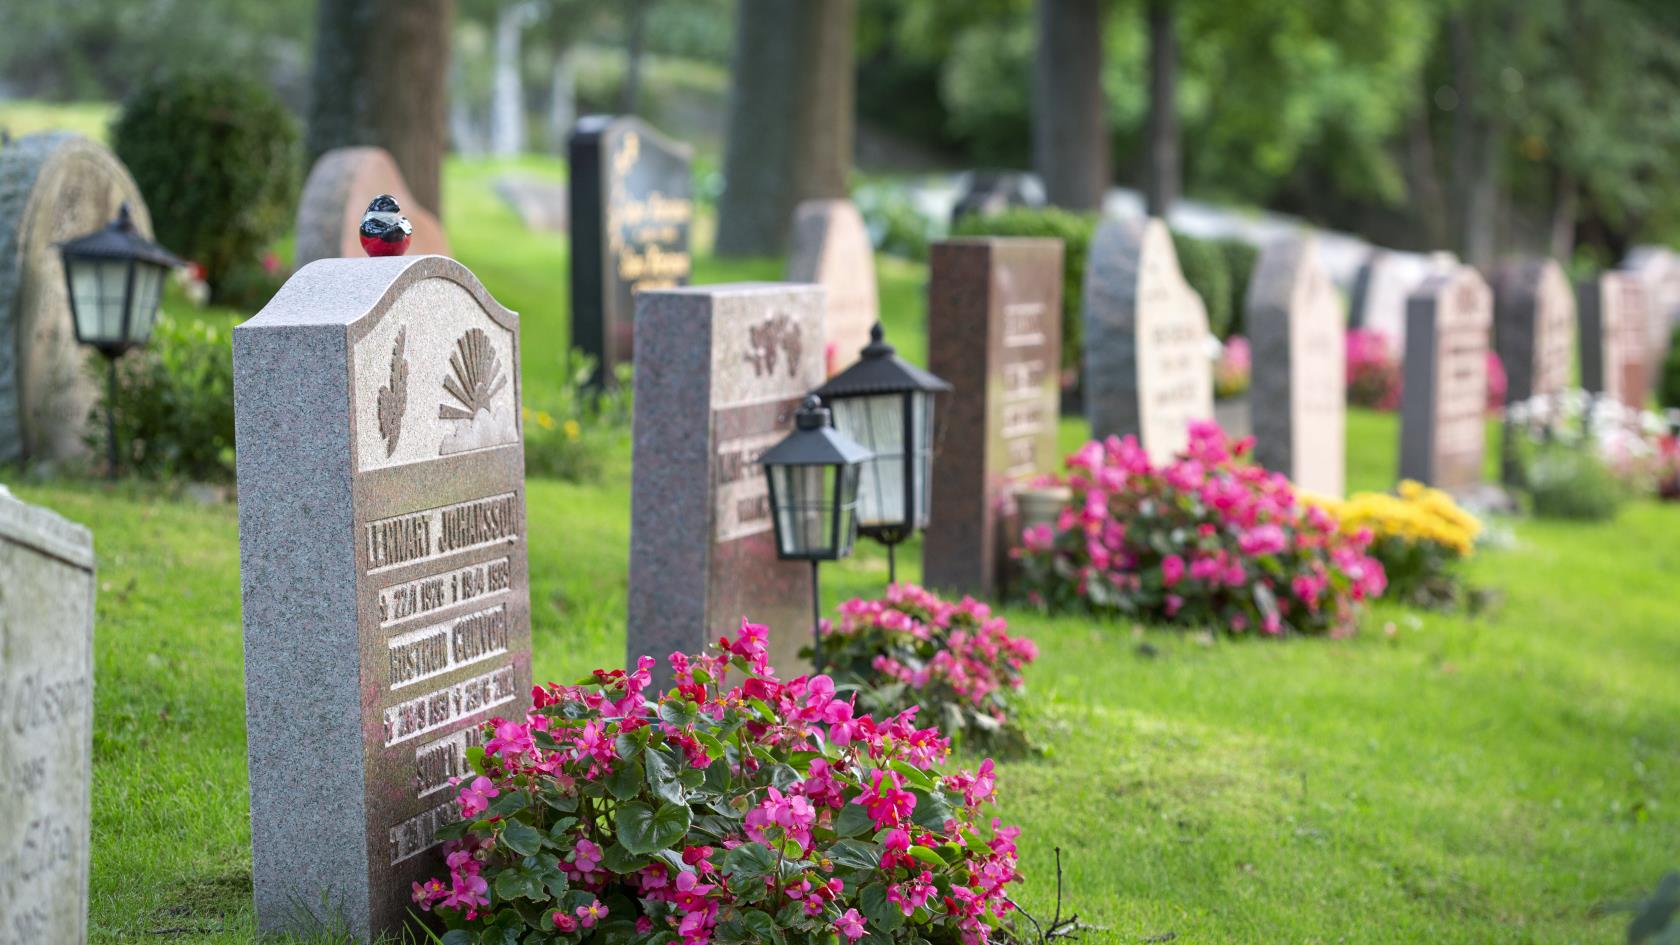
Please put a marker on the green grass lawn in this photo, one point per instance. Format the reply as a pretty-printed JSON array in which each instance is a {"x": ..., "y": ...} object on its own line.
[{"x": 1433, "y": 779}]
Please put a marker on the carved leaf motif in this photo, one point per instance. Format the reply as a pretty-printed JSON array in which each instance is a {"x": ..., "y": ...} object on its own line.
[
  {"x": 393, "y": 397},
  {"x": 476, "y": 376}
]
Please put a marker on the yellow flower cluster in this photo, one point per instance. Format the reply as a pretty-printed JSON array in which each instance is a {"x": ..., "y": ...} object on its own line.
[
  {"x": 571, "y": 428},
  {"x": 1417, "y": 514}
]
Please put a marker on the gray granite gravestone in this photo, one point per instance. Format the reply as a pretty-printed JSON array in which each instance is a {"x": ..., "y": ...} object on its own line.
[
  {"x": 1658, "y": 270},
  {"x": 995, "y": 333},
  {"x": 831, "y": 248},
  {"x": 1299, "y": 339},
  {"x": 383, "y": 559},
  {"x": 1533, "y": 327},
  {"x": 1616, "y": 357},
  {"x": 1444, "y": 400},
  {"x": 720, "y": 372},
  {"x": 632, "y": 210},
  {"x": 46, "y": 724},
  {"x": 1147, "y": 370},
  {"x": 1382, "y": 286},
  {"x": 54, "y": 186},
  {"x": 337, "y": 193}
]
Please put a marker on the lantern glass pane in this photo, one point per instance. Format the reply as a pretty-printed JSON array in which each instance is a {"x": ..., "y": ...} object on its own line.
[
  {"x": 148, "y": 287},
  {"x": 805, "y": 500},
  {"x": 113, "y": 297},
  {"x": 877, "y": 422},
  {"x": 921, "y": 422},
  {"x": 847, "y": 479},
  {"x": 84, "y": 297}
]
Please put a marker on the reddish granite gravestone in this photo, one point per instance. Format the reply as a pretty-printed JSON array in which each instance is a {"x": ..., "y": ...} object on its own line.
[
  {"x": 1442, "y": 408},
  {"x": 831, "y": 248},
  {"x": 1533, "y": 327},
  {"x": 995, "y": 333},
  {"x": 1658, "y": 270},
  {"x": 1299, "y": 339},
  {"x": 54, "y": 186},
  {"x": 632, "y": 208},
  {"x": 720, "y": 372},
  {"x": 383, "y": 561},
  {"x": 1616, "y": 358},
  {"x": 337, "y": 193},
  {"x": 1147, "y": 371}
]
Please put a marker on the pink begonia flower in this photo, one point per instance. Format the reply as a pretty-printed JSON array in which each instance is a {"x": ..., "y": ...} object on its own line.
[
  {"x": 564, "y": 922},
  {"x": 644, "y": 925},
  {"x": 475, "y": 797},
  {"x": 850, "y": 924},
  {"x": 1172, "y": 570},
  {"x": 885, "y": 799},
  {"x": 591, "y": 914},
  {"x": 512, "y": 740}
]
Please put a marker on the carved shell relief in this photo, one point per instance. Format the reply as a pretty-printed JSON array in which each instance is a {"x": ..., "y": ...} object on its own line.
[{"x": 476, "y": 376}]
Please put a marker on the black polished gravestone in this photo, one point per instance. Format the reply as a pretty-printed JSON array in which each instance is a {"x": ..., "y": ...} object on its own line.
[{"x": 632, "y": 209}]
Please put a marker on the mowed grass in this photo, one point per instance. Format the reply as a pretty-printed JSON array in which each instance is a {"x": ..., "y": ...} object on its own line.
[{"x": 1434, "y": 779}]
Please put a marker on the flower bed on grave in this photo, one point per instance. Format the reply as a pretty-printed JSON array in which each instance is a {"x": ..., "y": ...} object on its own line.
[
  {"x": 759, "y": 812},
  {"x": 1420, "y": 535},
  {"x": 955, "y": 662},
  {"x": 1208, "y": 539}
]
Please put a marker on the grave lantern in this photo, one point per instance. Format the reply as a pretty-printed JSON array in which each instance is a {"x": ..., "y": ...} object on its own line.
[
  {"x": 115, "y": 277},
  {"x": 813, "y": 476},
  {"x": 886, "y": 404}
]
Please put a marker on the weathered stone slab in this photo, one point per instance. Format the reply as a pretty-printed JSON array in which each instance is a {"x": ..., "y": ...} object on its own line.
[
  {"x": 995, "y": 333},
  {"x": 1147, "y": 371},
  {"x": 1299, "y": 339},
  {"x": 541, "y": 204},
  {"x": 1384, "y": 284},
  {"x": 1658, "y": 270},
  {"x": 720, "y": 372},
  {"x": 831, "y": 248},
  {"x": 1616, "y": 356},
  {"x": 632, "y": 202},
  {"x": 383, "y": 560},
  {"x": 1534, "y": 327},
  {"x": 335, "y": 196},
  {"x": 54, "y": 186},
  {"x": 46, "y": 724},
  {"x": 1442, "y": 408}
]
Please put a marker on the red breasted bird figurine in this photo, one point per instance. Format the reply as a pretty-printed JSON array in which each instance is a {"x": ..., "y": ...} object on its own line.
[{"x": 384, "y": 230}]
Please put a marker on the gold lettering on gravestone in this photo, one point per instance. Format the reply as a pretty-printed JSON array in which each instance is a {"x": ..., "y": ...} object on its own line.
[{"x": 640, "y": 229}]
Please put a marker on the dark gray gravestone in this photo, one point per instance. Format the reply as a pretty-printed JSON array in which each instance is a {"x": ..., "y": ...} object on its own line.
[
  {"x": 46, "y": 724},
  {"x": 1533, "y": 327},
  {"x": 383, "y": 558},
  {"x": 1443, "y": 404},
  {"x": 995, "y": 333},
  {"x": 1299, "y": 339},
  {"x": 54, "y": 186},
  {"x": 1616, "y": 358},
  {"x": 720, "y": 374},
  {"x": 1147, "y": 370},
  {"x": 632, "y": 207}
]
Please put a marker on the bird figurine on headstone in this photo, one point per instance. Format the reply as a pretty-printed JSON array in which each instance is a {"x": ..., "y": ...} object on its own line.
[{"x": 384, "y": 230}]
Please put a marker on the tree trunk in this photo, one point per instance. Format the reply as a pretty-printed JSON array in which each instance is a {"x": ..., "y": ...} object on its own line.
[
  {"x": 1070, "y": 114},
  {"x": 1163, "y": 177},
  {"x": 1423, "y": 178},
  {"x": 1476, "y": 138},
  {"x": 562, "y": 99},
  {"x": 507, "y": 96},
  {"x": 1565, "y": 199},
  {"x": 380, "y": 78},
  {"x": 631, "y": 95},
  {"x": 791, "y": 118}
]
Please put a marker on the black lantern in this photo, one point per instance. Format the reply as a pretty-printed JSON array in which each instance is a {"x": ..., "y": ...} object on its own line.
[
  {"x": 813, "y": 476},
  {"x": 115, "y": 277},
  {"x": 886, "y": 404}
]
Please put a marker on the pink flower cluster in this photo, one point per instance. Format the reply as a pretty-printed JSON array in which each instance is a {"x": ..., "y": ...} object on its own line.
[
  {"x": 1373, "y": 370},
  {"x": 1209, "y": 539},
  {"x": 687, "y": 813}
]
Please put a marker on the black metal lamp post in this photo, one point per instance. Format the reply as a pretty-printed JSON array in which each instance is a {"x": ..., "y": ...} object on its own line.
[
  {"x": 115, "y": 277},
  {"x": 813, "y": 476},
  {"x": 886, "y": 404}
]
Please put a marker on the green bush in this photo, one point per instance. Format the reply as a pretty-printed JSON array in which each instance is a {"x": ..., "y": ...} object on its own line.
[
  {"x": 174, "y": 406},
  {"x": 1203, "y": 264},
  {"x": 1572, "y": 483},
  {"x": 1240, "y": 258},
  {"x": 1074, "y": 230},
  {"x": 571, "y": 439},
  {"x": 216, "y": 156},
  {"x": 1668, "y": 385}
]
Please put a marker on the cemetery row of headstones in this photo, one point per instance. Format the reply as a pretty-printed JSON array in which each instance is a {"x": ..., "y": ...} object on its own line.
[{"x": 382, "y": 498}]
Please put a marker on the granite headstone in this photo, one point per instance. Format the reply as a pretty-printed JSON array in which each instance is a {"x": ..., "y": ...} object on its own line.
[
  {"x": 995, "y": 333},
  {"x": 1658, "y": 270},
  {"x": 54, "y": 186},
  {"x": 1382, "y": 287},
  {"x": 1299, "y": 338},
  {"x": 1147, "y": 370},
  {"x": 720, "y": 372},
  {"x": 831, "y": 248},
  {"x": 336, "y": 195},
  {"x": 632, "y": 209},
  {"x": 1442, "y": 406},
  {"x": 383, "y": 559},
  {"x": 1616, "y": 357},
  {"x": 46, "y": 724},
  {"x": 1533, "y": 327}
]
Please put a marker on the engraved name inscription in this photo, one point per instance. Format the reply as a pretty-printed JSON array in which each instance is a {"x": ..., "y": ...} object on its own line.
[
  {"x": 418, "y": 834},
  {"x": 421, "y": 596},
  {"x": 432, "y": 651},
  {"x": 434, "y": 533},
  {"x": 437, "y": 764}
]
